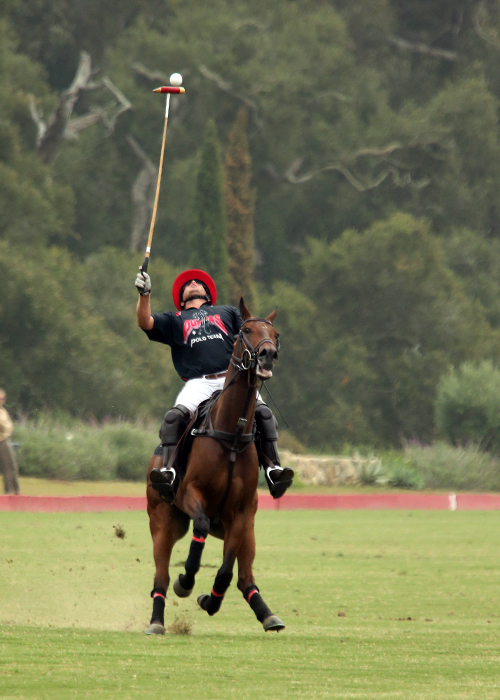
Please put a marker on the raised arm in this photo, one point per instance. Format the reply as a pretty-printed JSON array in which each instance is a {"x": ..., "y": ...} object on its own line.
[{"x": 143, "y": 286}]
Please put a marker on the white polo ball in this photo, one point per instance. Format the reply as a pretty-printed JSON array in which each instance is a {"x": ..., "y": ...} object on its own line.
[{"x": 176, "y": 79}]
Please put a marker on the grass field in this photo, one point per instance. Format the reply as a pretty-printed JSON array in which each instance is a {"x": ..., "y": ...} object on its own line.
[{"x": 378, "y": 604}]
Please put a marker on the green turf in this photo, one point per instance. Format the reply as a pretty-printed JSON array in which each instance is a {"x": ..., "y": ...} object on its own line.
[{"x": 378, "y": 604}]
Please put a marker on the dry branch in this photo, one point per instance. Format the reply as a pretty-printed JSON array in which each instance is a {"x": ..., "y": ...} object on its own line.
[
  {"x": 152, "y": 75},
  {"x": 479, "y": 20},
  {"x": 228, "y": 89},
  {"x": 143, "y": 195},
  {"x": 50, "y": 136},
  {"x": 419, "y": 47},
  {"x": 61, "y": 126}
]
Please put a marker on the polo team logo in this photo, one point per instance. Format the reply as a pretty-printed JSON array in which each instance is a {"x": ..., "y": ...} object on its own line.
[{"x": 199, "y": 327}]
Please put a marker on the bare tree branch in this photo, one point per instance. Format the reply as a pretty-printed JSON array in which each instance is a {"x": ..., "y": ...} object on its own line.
[
  {"x": 399, "y": 180},
  {"x": 124, "y": 104},
  {"x": 337, "y": 95},
  {"x": 480, "y": 17},
  {"x": 38, "y": 119},
  {"x": 81, "y": 123},
  {"x": 108, "y": 115},
  {"x": 61, "y": 126},
  {"x": 143, "y": 195},
  {"x": 50, "y": 138},
  {"x": 227, "y": 88},
  {"x": 399, "y": 174},
  {"x": 419, "y": 47},
  {"x": 357, "y": 184},
  {"x": 153, "y": 75}
]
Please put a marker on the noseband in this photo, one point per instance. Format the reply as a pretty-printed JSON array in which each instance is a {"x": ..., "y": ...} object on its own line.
[{"x": 250, "y": 354}]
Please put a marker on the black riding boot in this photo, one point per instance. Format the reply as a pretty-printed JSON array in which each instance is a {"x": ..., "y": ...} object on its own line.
[
  {"x": 278, "y": 479},
  {"x": 174, "y": 424}
]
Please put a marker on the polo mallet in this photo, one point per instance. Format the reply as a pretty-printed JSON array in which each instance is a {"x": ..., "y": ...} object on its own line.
[{"x": 174, "y": 89}]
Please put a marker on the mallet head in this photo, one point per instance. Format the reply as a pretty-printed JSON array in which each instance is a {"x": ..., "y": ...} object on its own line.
[{"x": 173, "y": 90}]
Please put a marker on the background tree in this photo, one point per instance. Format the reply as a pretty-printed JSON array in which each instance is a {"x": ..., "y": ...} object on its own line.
[
  {"x": 240, "y": 204},
  {"x": 208, "y": 237},
  {"x": 64, "y": 346},
  {"x": 373, "y": 135},
  {"x": 389, "y": 289}
]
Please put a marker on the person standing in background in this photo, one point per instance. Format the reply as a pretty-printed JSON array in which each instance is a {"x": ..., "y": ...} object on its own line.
[{"x": 8, "y": 461}]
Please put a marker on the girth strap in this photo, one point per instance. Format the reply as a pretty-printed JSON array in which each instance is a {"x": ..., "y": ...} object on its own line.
[
  {"x": 207, "y": 430},
  {"x": 221, "y": 436}
]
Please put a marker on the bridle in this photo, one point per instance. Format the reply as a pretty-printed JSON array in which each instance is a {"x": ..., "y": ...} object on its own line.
[{"x": 249, "y": 355}]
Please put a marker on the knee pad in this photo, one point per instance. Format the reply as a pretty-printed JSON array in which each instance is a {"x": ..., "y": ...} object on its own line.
[
  {"x": 173, "y": 425},
  {"x": 267, "y": 424}
]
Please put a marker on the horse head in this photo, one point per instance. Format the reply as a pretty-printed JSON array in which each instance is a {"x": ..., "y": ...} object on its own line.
[{"x": 257, "y": 344}]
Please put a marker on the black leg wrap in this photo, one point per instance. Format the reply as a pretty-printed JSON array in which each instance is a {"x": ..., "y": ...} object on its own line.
[
  {"x": 193, "y": 561},
  {"x": 194, "y": 557},
  {"x": 201, "y": 525},
  {"x": 255, "y": 601},
  {"x": 158, "y": 595},
  {"x": 213, "y": 602}
]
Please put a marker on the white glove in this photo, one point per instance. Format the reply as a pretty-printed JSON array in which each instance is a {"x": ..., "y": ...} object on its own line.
[{"x": 143, "y": 283}]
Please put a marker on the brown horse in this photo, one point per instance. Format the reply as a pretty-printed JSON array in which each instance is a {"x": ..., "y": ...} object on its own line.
[{"x": 219, "y": 490}]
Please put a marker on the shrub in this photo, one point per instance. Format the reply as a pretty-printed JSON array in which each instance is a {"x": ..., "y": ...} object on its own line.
[
  {"x": 369, "y": 470},
  {"x": 442, "y": 466},
  {"x": 404, "y": 475},
  {"x": 132, "y": 446},
  {"x": 468, "y": 406},
  {"x": 67, "y": 449}
]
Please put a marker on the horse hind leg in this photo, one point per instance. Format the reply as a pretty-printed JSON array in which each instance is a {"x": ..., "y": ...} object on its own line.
[
  {"x": 184, "y": 584},
  {"x": 167, "y": 525},
  {"x": 270, "y": 622}
]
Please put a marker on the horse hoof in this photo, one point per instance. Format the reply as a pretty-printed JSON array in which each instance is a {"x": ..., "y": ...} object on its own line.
[
  {"x": 180, "y": 591},
  {"x": 273, "y": 624},
  {"x": 155, "y": 628},
  {"x": 200, "y": 600}
]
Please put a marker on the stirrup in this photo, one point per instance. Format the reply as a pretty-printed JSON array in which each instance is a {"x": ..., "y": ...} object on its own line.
[
  {"x": 279, "y": 479},
  {"x": 163, "y": 476},
  {"x": 163, "y": 482},
  {"x": 278, "y": 475}
]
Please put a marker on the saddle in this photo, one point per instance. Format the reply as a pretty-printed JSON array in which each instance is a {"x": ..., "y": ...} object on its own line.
[{"x": 198, "y": 426}]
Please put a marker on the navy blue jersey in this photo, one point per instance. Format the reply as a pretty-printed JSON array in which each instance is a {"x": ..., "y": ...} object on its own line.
[{"x": 201, "y": 340}]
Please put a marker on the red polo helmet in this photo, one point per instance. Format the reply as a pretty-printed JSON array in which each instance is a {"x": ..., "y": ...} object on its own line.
[{"x": 189, "y": 275}]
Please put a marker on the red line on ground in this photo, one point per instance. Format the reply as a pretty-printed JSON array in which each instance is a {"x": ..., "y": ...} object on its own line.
[
  {"x": 71, "y": 504},
  {"x": 293, "y": 501}
]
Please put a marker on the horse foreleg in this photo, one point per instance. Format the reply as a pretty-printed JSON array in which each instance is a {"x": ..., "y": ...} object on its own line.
[
  {"x": 211, "y": 603},
  {"x": 234, "y": 534},
  {"x": 184, "y": 584},
  {"x": 246, "y": 584}
]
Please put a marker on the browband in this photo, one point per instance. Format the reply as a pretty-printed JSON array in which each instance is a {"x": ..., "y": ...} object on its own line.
[{"x": 264, "y": 320}]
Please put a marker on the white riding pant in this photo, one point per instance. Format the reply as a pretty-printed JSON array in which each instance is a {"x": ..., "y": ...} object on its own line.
[{"x": 197, "y": 390}]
